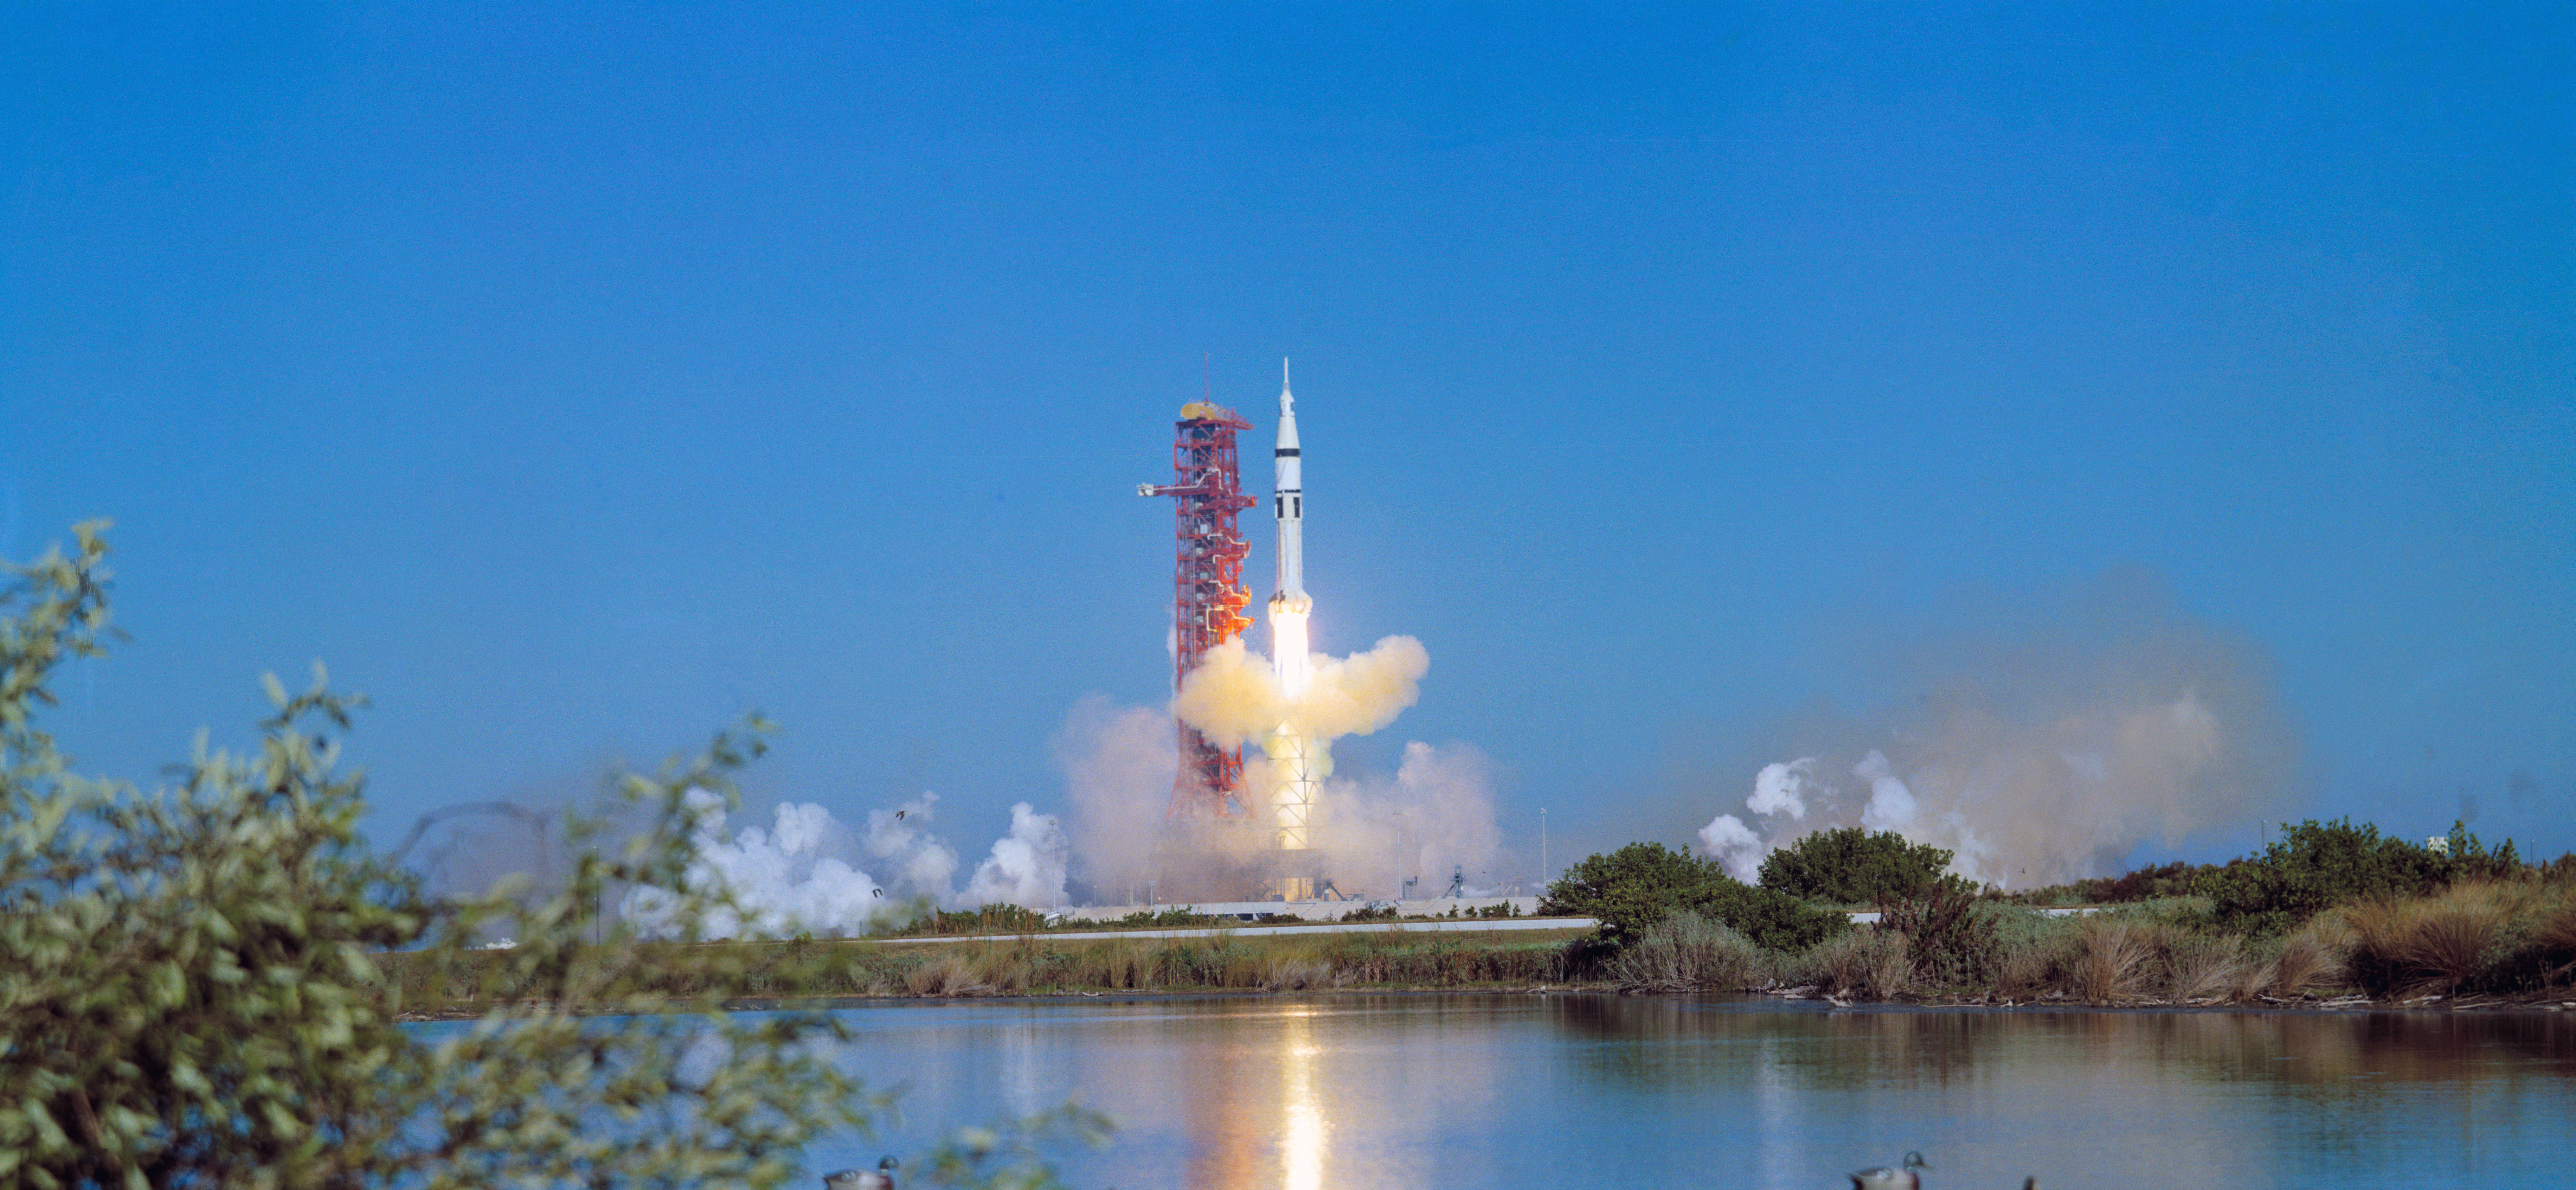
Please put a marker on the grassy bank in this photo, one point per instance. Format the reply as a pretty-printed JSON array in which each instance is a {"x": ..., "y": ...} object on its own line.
[
  {"x": 1034, "y": 964},
  {"x": 923, "y": 920},
  {"x": 2489, "y": 940}
]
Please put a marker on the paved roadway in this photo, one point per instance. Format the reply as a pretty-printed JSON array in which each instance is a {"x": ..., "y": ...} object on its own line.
[
  {"x": 1435, "y": 925},
  {"x": 1440, "y": 925}
]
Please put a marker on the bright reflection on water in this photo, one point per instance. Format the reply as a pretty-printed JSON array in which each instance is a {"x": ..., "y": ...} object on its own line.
[{"x": 1407, "y": 1091}]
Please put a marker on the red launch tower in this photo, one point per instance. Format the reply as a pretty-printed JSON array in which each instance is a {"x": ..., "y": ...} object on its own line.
[{"x": 1207, "y": 594}]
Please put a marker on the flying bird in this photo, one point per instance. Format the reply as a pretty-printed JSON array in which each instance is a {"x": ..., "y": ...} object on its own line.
[
  {"x": 898, "y": 815},
  {"x": 880, "y": 1178},
  {"x": 1883, "y": 1178}
]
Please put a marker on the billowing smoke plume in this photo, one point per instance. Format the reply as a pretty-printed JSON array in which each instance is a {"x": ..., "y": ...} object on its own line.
[
  {"x": 1118, "y": 765},
  {"x": 2043, "y": 750},
  {"x": 1233, "y": 697},
  {"x": 805, "y": 873},
  {"x": 1026, "y": 867},
  {"x": 1435, "y": 813}
]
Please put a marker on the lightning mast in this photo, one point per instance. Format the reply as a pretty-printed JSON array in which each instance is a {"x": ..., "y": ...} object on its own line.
[{"x": 1207, "y": 594}]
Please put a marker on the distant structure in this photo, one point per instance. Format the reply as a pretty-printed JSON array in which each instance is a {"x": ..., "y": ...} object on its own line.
[{"x": 1208, "y": 598}]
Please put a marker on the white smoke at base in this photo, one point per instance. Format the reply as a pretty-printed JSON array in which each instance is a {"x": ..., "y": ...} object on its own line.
[
  {"x": 1118, "y": 764},
  {"x": 805, "y": 874},
  {"x": 2043, "y": 743},
  {"x": 1026, "y": 867},
  {"x": 1435, "y": 813}
]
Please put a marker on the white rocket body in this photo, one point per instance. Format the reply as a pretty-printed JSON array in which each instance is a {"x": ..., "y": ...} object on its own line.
[
  {"x": 1298, "y": 762},
  {"x": 1288, "y": 504}
]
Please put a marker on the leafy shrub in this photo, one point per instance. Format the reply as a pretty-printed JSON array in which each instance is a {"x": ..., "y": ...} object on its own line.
[
  {"x": 195, "y": 987},
  {"x": 1631, "y": 889},
  {"x": 2317, "y": 865},
  {"x": 2150, "y": 883},
  {"x": 1851, "y": 866},
  {"x": 1948, "y": 940}
]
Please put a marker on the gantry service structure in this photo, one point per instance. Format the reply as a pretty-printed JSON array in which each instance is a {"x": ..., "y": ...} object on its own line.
[{"x": 1208, "y": 598}]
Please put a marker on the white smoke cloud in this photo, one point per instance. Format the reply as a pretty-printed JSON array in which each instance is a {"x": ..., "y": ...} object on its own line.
[
  {"x": 1445, "y": 798},
  {"x": 900, "y": 845},
  {"x": 1118, "y": 764},
  {"x": 2046, "y": 750},
  {"x": 1734, "y": 844},
  {"x": 1233, "y": 698},
  {"x": 1026, "y": 867},
  {"x": 1891, "y": 804},
  {"x": 1782, "y": 787},
  {"x": 804, "y": 874}
]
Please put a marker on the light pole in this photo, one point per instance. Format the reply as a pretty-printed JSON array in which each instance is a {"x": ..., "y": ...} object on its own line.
[
  {"x": 1399, "y": 855},
  {"x": 1542, "y": 849}
]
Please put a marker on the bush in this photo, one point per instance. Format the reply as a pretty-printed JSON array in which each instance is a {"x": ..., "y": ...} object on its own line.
[
  {"x": 2151, "y": 883},
  {"x": 1639, "y": 885},
  {"x": 1948, "y": 941},
  {"x": 1869, "y": 964},
  {"x": 193, "y": 986},
  {"x": 2475, "y": 936},
  {"x": 1686, "y": 952},
  {"x": 1851, "y": 866},
  {"x": 2317, "y": 865}
]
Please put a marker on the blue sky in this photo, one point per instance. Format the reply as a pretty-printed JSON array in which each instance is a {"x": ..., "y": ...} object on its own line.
[{"x": 574, "y": 378}]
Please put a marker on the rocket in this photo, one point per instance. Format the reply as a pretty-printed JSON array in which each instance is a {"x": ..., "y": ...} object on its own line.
[{"x": 1289, "y": 506}]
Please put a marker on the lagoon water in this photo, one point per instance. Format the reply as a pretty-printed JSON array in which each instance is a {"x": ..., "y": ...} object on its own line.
[{"x": 1345, "y": 1091}]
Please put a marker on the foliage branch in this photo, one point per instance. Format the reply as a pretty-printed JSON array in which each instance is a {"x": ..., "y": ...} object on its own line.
[{"x": 190, "y": 992}]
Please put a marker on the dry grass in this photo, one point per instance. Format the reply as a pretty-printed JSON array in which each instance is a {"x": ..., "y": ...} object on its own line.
[
  {"x": 1688, "y": 952},
  {"x": 951, "y": 974},
  {"x": 2310, "y": 957},
  {"x": 1865, "y": 963},
  {"x": 1297, "y": 975},
  {"x": 2206, "y": 967},
  {"x": 2114, "y": 962},
  {"x": 1038, "y": 965},
  {"x": 2443, "y": 943}
]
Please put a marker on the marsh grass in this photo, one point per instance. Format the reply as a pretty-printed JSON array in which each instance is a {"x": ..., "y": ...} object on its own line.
[
  {"x": 2498, "y": 936},
  {"x": 1034, "y": 965},
  {"x": 1688, "y": 952},
  {"x": 1867, "y": 963},
  {"x": 2115, "y": 959}
]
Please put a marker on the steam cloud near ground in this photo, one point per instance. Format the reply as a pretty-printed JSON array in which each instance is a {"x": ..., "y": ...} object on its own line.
[
  {"x": 812, "y": 872},
  {"x": 2048, "y": 748},
  {"x": 1434, "y": 813}
]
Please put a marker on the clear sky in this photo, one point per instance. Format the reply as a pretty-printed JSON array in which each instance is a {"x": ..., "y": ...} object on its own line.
[{"x": 574, "y": 378}]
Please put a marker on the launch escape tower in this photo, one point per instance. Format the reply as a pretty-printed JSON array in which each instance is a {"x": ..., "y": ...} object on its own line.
[{"x": 1207, "y": 595}]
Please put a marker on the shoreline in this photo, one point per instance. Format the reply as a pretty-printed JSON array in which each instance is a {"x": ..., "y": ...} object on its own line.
[{"x": 2307, "y": 1005}]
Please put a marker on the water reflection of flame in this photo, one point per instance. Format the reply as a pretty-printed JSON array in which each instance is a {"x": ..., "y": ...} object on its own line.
[{"x": 1304, "y": 1134}]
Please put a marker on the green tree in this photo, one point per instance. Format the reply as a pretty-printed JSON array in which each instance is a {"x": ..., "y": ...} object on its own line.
[
  {"x": 1851, "y": 866},
  {"x": 2315, "y": 865},
  {"x": 1637, "y": 886},
  {"x": 189, "y": 995}
]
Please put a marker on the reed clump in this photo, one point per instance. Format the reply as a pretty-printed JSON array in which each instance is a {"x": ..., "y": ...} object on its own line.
[
  {"x": 1034, "y": 965},
  {"x": 2499, "y": 936},
  {"x": 1688, "y": 952}
]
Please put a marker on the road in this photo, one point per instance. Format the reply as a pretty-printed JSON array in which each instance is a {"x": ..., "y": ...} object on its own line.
[{"x": 1437, "y": 926}]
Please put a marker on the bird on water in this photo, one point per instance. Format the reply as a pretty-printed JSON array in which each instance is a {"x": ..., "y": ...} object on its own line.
[
  {"x": 1883, "y": 1178},
  {"x": 880, "y": 1178}
]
